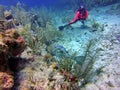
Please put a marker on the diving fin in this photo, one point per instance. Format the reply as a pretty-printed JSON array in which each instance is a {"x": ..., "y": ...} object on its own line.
[{"x": 62, "y": 27}]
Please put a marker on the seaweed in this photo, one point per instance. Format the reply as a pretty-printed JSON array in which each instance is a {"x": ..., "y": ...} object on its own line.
[
  {"x": 34, "y": 43},
  {"x": 80, "y": 67},
  {"x": 96, "y": 26},
  {"x": 37, "y": 30}
]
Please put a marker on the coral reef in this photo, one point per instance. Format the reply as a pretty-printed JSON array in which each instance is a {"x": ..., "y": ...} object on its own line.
[
  {"x": 36, "y": 27},
  {"x": 6, "y": 81},
  {"x": 11, "y": 45},
  {"x": 38, "y": 75},
  {"x": 15, "y": 43},
  {"x": 9, "y": 22}
]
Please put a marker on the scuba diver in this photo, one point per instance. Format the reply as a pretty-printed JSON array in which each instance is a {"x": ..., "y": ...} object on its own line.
[{"x": 81, "y": 14}]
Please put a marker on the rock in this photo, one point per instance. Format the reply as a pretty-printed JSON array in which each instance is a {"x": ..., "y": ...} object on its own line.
[
  {"x": 15, "y": 43},
  {"x": 11, "y": 45}
]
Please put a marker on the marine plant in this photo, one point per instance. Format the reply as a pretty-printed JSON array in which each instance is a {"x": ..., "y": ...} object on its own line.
[
  {"x": 102, "y": 27},
  {"x": 21, "y": 14},
  {"x": 34, "y": 43},
  {"x": 80, "y": 70},
  {"x": 51, "y": 32},
  {"x": 24, "y": 30},
  {"x": 39, "y": 36},
  {"x": 65, "y": 64},
  {"x": 1, "y": 12},
  {"x": 39, "y": 33},
  {"x": 45, "y": 15},
  {"x": 95, "y": 24}
]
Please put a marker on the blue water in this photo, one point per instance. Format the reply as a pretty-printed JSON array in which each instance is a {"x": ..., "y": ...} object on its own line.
[
  {"x": 58, "y": 3},
  {"x": 31, "y": 3}
]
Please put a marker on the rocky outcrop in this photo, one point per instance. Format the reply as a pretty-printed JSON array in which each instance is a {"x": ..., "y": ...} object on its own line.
[{"x": 11, "y": 45}]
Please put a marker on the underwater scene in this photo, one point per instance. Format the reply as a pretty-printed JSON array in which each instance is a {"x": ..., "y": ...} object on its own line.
[{"x": 59, "y": 44}]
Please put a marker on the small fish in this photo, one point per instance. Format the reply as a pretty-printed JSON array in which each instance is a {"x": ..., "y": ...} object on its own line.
[{"x": 62, "y": 49}]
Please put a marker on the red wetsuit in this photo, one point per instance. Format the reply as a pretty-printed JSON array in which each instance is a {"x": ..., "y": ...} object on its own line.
[{"x": 80, "y": 16}]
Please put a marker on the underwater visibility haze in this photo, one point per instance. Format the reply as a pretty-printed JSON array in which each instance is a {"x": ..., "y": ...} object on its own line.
[
  {"x": 59, "y": 45},
  {"x": 31, "y": 3}
]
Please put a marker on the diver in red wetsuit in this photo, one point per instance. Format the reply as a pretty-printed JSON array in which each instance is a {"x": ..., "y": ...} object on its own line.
[{"x": 81, "y": 14}]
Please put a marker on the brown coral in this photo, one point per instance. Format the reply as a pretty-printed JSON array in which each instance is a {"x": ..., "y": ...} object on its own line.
[
  {"x": 11, "y": 44},
  {"x": 15, "y": 43},
  {"x": 6, "y": 81}
]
